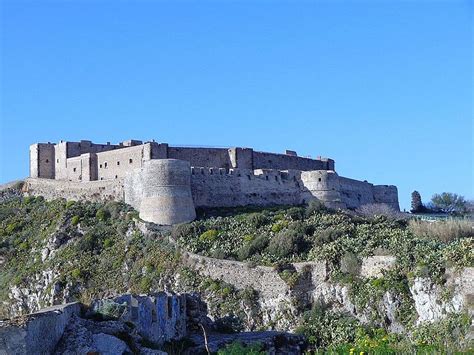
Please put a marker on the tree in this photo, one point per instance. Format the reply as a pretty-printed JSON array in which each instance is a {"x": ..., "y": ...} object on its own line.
[
  {"x": 416, "y": 204},
  {"x": 449, "y": 203}
]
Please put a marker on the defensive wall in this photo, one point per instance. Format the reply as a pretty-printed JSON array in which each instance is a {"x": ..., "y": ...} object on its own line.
[{"x": 165, "y": 184}]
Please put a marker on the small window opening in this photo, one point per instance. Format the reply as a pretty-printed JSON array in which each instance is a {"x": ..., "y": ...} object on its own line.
[
  {"x": 276, "y": 178},
  {"x": 57, "y": 160},
  {"x": 47, "y": 160},
  {"x": 116, "y": 176},
  {"x": 266, "y": 177},
  {"x": 105, "y": 165},
  {"x": 118, "y": 163},
  {"x": 319, "y": 179},
  {"x": 102, "y": 178},
  {"x": 248, "y": 177},
  {"x": 130, "y": 161},
  {"x": 100, "y": 166},
  {"x": 74, "y": 169}
]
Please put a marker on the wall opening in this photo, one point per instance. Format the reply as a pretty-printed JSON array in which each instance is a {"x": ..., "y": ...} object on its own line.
[
  {"x": 118, "y": 163},
  {"x": 319, "y": 179},
  {"x": 47, "y": 160},
  {"x": 130, "y": 161},
  {"x": 74, "y": 169},
  {"x": 105, "y": 165}
]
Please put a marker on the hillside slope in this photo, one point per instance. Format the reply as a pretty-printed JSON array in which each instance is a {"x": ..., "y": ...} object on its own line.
[{"x": 339, "y": 279}]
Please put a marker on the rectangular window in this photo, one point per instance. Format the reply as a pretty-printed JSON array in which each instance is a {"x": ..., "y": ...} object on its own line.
[
  {"x": 118, "y": 163},
  {"x": 74, "y": 169},
  {"x": 100, "y": 166},
  {"x": 130, "y": 161},
  {"x": 105, "y": 165}
]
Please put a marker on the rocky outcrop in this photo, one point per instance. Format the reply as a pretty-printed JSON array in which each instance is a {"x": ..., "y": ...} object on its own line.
[{"x": 130, "y": 324}]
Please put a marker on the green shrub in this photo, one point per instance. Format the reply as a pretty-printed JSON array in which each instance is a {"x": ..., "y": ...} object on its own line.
[
  {"x": 75, "y": 220},
  {"x": 183, "y": 230},
  {"x": 237, "y": 348},
  {"x": 314, "y": 206},
  {"x": 257, "y": 245},
  {"x": 350, "y": 264},
  {"x": 12, "y": 227},
  {"x": 102, "y": 214},
  {"x": 296, "y": 213},
  {"x": 279, "y": 226},
  {"x": 286, "y": 243},
  {"x": 323, "y": 327},
  {"x": 76, "y": 273},
  {"x": 70, "y": 203},
  {"x": 109, "y": 309},
  {"x": 257, "y": 220},
  {"x": 208, "y": 236}
]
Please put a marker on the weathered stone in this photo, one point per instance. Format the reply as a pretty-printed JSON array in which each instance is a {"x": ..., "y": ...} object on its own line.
[{"x": 37, "y": 333}]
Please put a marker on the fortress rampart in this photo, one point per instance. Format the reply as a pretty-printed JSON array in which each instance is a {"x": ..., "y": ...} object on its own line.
[{"x": 165, "y": 184}]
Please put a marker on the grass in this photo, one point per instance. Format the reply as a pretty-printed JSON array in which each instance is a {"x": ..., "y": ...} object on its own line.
[{"x": 444, "y": 231}]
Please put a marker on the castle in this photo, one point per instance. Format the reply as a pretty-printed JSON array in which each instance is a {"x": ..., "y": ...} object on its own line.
[{"x": 167, "y": 183}]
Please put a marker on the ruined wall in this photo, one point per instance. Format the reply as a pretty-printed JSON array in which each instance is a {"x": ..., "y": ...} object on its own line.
[
  {"x": 37, "y": 333},
  {"x": 42, "y": 161},
  {"x": 214, "y": 187},
  {"x": 218, "y": 157},
  {"x": 73, "y": 190},
  {"x": 263, "y": 160}
]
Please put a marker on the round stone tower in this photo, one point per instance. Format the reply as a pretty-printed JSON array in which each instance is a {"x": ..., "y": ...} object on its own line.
[
  {"x": 324, "y": 185},
  {"x": 166, "y": 192}
]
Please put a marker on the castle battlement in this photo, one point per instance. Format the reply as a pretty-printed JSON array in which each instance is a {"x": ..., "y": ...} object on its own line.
[{"x": 166, "y": 183}]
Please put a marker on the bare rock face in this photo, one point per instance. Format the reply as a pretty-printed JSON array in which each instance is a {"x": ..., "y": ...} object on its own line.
[{"x": 158, "y": 318}]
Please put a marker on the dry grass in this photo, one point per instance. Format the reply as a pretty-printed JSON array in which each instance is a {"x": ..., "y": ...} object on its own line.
[{"x": 444, "y": 231}]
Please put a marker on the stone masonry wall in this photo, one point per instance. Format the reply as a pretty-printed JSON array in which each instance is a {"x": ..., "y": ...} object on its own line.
[
  {"x": 214, "y": 187},
  {"x": 263, "y": 160},
  {"x": 92, "y": 190},
  {"x": 218, "y": 157}
]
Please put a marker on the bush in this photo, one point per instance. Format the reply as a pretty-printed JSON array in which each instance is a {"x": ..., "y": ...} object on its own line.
[
  {"x": 296, "y": 213},
  {"x": 350, "y": 264},
  {"x": 183, "y": 230},
  {"x": 109, "y": 309},
  {"x": 257, "y": 245},
  {"x": 314, "y": 206},
  {"x": 70, "y": 203},
  {"x": 280, "y": 225},
  {"x": 75, "y": 220},
  {"x": 324, "y": 328},
  {"x": 257, "y": 220},
  {"x": 208, "y": 236},
  {"x": 379, "y": 209},
  {"x": 443, "y": 231},
  {"x": 102, "y": 214},
  {"x": 286, "y": 243},
  {"x": 237, "y": 348}
]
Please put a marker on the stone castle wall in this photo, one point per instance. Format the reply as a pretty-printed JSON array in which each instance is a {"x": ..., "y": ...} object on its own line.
[{"x": 165, "y": 184}]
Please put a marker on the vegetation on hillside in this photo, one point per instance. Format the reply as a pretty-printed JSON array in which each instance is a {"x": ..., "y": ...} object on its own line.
[
  {"x": 97, "y": 249},
  {"x": 282, "y": 235}
]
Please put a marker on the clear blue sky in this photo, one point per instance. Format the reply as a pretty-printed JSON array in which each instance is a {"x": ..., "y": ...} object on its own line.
[{"x": 384, "y": 88}]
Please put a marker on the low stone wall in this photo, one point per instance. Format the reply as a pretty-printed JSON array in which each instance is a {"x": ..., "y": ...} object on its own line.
[
  {"x": 106, "y": 190},
  {"x": 37, "y": 333}
]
